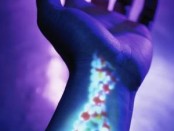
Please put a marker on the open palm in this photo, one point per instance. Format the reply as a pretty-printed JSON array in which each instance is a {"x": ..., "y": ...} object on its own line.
[{"x": 80, "y": 29}]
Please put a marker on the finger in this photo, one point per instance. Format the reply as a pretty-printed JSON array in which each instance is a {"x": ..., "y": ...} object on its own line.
[
  {"x": 101, "y": 3},
  {"x": 123, "y": 6},
  {"x": 148, "y": 13}
]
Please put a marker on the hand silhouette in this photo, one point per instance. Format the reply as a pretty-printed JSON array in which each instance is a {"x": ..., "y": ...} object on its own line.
[{"x": 80, "y": 29}]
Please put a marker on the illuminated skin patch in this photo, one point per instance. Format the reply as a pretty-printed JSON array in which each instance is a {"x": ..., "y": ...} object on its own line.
[{"x": 103, "y": 81}]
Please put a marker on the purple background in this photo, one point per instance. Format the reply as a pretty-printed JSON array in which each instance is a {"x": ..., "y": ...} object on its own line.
[{"x": 33, "y": 76}]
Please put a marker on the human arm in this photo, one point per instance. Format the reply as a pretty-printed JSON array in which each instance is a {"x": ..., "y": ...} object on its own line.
[{"x": 78, "y": 34}]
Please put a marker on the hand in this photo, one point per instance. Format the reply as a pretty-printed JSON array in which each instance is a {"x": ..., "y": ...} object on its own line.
[{"x": 80, "y": 29}]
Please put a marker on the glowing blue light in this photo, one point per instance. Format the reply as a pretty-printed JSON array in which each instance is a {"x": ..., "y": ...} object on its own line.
[{"x": 94, "y": 115}]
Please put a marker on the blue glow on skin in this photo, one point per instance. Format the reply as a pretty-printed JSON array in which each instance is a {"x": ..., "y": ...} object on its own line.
[{"x": 94, "y": 115}]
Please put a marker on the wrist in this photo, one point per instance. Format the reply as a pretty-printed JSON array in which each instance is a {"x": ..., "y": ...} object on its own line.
[
  {"x": 104, "y": 90},
  {"x": 94, "y": 84}
]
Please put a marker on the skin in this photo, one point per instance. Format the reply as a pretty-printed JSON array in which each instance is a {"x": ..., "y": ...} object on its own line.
[{"x": 79, "y": 30}]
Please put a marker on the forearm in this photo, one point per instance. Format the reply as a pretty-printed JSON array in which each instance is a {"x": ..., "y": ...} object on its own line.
[
  {"x": 77, "y": 34},
  {"x": 95, "y": 97}
]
